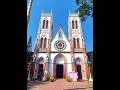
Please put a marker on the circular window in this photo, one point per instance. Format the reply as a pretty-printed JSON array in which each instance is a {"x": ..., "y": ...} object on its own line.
[{"x": 60, "y": 45}]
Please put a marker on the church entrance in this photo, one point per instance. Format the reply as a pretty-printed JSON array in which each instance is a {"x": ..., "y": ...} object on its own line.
[
  {"x": 59, "y": 67},
  {"x": 40, "y": 72},
  {"x": 79, "y": 71},
  {"x": 59, "y": 71}
]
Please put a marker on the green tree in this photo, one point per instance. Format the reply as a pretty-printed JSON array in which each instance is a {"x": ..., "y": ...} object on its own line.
[
  {"x": 29, "y": 49},
  {"x": 85, "y": 8}
]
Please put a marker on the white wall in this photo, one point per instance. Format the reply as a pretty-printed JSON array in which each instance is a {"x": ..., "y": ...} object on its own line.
[
  {"x": 44, "y": 55},
  {"x": 79, "y": 55},
  {"x": 60, "y": 60}
]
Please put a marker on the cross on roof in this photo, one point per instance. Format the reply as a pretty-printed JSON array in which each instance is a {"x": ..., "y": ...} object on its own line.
[{"x": 60, "y": 25}]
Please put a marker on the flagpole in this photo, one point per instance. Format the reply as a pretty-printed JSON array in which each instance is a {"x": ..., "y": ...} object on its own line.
[{"x": 28, "y": 11}]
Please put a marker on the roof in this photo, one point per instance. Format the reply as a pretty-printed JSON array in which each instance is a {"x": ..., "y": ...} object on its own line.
[{"x": 60, "y": 29}]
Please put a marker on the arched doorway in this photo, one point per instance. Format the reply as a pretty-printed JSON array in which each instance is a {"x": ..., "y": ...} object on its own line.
[
  {"x": 59, "y": 67},
  {"x": 78, "y": 68},
  {"x": 39, "y": 68}
]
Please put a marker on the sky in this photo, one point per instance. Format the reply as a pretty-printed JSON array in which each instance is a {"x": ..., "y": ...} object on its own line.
[{"x": 60, "y": 11}]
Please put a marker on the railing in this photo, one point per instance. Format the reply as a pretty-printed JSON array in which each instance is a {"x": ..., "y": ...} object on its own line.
[
  {"x": 75, "y": 30},
  {"x": 44, "y": 30},
  {"x": 73, "y": 14},
  {"x": 78, "y": 50},
  {"x": 42, "y": 50},
  {"x": 46, "y": 14}
]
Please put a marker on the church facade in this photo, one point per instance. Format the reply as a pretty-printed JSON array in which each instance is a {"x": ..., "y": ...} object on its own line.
[{"x": 60, "y": 55}]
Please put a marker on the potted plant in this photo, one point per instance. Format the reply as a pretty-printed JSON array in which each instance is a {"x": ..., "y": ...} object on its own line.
[
  {"x": 52, "y": 79},
  {"x": 68, "y": 79}
]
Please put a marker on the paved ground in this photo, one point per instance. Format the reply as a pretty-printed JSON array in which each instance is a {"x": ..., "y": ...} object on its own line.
[{"x": 60, "y": 84}]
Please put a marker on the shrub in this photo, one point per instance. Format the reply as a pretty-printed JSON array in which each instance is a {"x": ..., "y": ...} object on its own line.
[
  {"x": 52, "y": 79},
  {"x": 68, "y": 79}
]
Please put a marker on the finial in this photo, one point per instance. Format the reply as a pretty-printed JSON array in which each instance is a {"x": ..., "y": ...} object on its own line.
[
  {"x": 51, "y": 12},
  {"x": 69, "y": 12},
  {"x": 42, "y": 12},
  {"x": 60, "y": 25}
]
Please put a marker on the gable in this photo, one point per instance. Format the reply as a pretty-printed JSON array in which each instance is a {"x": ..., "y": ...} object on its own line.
[{"x": 60, "y": 36}]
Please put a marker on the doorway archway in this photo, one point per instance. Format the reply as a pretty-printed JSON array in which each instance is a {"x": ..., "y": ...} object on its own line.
[
  {"x": 39, "y": 68},
  {"x": 78, "y": 67},
  {"x": 59, "y": 62}
]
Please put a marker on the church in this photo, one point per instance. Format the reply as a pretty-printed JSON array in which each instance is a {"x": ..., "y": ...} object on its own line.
[{"x": 59, "y": 55}]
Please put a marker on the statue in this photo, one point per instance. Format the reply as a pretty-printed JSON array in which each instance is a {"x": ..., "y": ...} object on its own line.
[
  {"x": 85, "y": 59},
  {"x": 60, "y": 34},
  {"x": 72, "y": 58}
]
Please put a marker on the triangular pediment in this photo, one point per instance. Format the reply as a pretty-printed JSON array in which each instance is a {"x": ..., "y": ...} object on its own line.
[{"x": 60, "y": 35}]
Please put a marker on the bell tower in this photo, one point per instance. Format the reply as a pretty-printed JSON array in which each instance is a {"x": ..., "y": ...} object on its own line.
[
  {"x": 42, "y": 44},
  {"x": 75, "y": 31},
  {"x": 77, "y": 42},
  {"x": 44, "y": 34},
  {"x": 45, "y": 31}
]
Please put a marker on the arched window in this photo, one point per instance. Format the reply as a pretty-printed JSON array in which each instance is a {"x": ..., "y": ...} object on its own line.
[
  {"x": 72, "y": 24},
  {"x": 43, "y": 24},
  {"x": 47, "y": 24},
  {"x": 45, "y": 43},
  {"x": 74, "y": 43},
  {"x": 76, "y": 24},
  {"x": 78, "y": 44},
  {"x": 41, "y": 42}
]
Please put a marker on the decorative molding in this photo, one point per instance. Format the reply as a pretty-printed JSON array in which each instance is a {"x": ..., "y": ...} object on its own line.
[
  {"x": 42, "y": 50},
  {"x": 78, "y": 50}
]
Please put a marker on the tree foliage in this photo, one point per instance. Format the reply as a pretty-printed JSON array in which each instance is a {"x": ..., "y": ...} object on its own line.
[
  {"x": 85, "y": 8},
  {"x": 29, "y": 45},
  {"x": 29, "y": 49}
]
